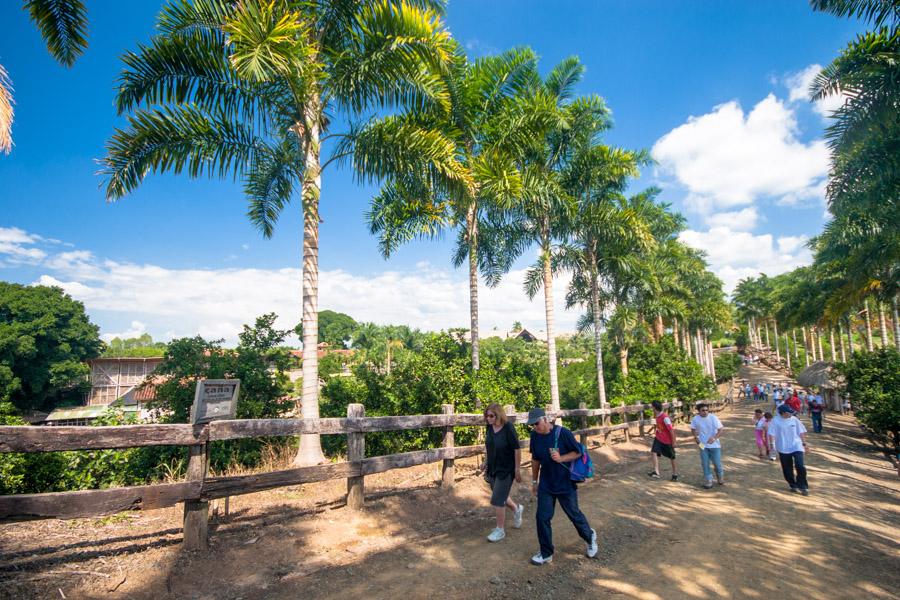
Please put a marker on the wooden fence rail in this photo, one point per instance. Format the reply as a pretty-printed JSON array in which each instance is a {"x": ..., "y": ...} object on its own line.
[{"x": 200, "y": 488}]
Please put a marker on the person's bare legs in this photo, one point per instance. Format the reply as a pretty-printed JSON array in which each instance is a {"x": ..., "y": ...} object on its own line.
[
  {"x": 656, "y": 462},
  {"x": 500, "y": 515},
  {"x": 674, "y": 469}
]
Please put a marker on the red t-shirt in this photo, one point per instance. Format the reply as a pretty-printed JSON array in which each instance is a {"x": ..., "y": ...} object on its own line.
[
  {"x": 794, "y": 402},
  {"x": 663, "y": 433}
]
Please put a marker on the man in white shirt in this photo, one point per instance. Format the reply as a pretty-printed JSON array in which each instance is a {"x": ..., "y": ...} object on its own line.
[
  {"x": 788, "y": 436},
  {"x": 707, "y": 429}
]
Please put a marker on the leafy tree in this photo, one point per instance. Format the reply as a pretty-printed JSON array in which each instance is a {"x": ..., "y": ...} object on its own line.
[
  {"x": 335, "y": 328},
  {"x": 873, "y": 382},
  {"x": 45, "y": 337},
  {"x": 63, "y": 26},
  {"x": 142, "y": 346},
  {"x": 250, "y": 89},
  {"x": 258, "y": 361}
]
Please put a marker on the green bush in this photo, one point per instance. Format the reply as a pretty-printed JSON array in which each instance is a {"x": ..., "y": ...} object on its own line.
[
  {"x": 727, "y": 366},
  {"x": 873, "y": 382}
]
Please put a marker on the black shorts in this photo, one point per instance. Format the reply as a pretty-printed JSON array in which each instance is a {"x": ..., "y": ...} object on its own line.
[
  {"x": 661, "y": 449},
  {"x": 500, "y": 488}
]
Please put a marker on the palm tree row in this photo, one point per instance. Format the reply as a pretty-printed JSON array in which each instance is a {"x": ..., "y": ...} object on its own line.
[
  {"x": 855, "y": 272},
  {"x": 858, "y": 255},
  {"x": 488, "y": 149}
]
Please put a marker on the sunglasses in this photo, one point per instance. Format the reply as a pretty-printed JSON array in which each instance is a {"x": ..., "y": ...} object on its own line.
[{"x": 490, "y": 416}]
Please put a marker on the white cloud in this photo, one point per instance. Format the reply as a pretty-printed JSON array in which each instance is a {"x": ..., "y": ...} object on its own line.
[
  {"x": 137, "y": 329},
  {"x": 17, "y": 247},
  {"x": 733, "y": 255},
  {"x": 740, "y": 220},
  {"x": 215, "y": 303},
  {"x": 727, "y": 158},
  {"x": 798, "y": 85}
]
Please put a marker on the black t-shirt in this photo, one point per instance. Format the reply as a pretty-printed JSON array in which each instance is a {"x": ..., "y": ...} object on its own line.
[{"x": 501, "y": 447}]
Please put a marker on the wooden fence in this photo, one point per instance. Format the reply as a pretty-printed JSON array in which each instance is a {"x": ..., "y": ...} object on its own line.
[{"x": 199, "y": 488}]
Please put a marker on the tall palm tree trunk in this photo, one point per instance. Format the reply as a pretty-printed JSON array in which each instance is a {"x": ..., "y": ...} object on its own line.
[
  {"x": 712, "y": 361},
  {"x": 787, "y": 350},
  {"x": 658, "y": 328},
  {"x": 766, "y": 326},
  {"x": 882, "y": 325},
  {"x": 841, "y": 338},
  {"x": 870, "y": 346},
  {"x": 831, "y": 343},
  {"x": 623, "y": 361},
  {"x": 310, "y": 451},
  {"x": 819, "y": 344},
  {"x": 896, "y": 302},
  {"x": 548, "y": 308},
  {"x": 598, "y": 348},
  {"x": 686, "y": 340},
  {"x": 472, "y": 235},
  {"x": 849, "y": 335},
  {"x": 796, "y": 350},
  {"x": 777, "y": 350},
  {"x": 805, "y": 344}
]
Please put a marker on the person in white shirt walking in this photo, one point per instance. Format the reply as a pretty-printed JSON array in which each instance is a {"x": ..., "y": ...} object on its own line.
[
  {"x": 788, "y": 436},
  {"x": 707, "y": 429}
]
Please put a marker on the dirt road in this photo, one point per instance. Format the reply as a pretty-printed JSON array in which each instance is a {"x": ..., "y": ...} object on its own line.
[{"x": 659, "y": 540}]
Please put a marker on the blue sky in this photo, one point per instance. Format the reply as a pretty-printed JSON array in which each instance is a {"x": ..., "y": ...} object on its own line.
[{"x": 715, "y": 89}]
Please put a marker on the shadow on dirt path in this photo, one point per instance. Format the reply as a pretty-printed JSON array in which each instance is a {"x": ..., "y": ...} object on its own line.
[{"x": 659, "y": 540}]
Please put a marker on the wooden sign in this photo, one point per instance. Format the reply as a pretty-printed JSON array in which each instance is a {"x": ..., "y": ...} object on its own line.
[{"x": 215, "y": 399}]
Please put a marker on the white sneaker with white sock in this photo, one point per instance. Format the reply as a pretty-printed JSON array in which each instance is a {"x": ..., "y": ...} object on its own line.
[
  {"x": 592, "y": 546},
  {"x": 496, "y": 535},
  {"x": 517, "y": 517}
]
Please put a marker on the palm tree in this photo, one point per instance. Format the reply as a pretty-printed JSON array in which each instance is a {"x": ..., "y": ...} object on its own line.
[
  {"x": 63, "y": 26},
  {"x": 863, "y": 238},
  {"x": 462, "y": 176},
  {"x": 604, "y": 233},
  {"x": 248, "y": 90},
  {"x": 544, "y": 204}
]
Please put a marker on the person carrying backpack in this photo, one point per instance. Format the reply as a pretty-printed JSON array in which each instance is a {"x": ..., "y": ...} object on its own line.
[{"x": 552, "y": 447}]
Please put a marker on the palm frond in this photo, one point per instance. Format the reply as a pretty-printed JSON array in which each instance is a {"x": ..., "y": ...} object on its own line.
[
  {"x": 563, "y": 78},
  {"x": 172, "y": 139},
  {"x": 877, "y": 12},
  {"x": 63, "y": 25},
  {"x": 6, "y": 112},
  {"x": 270, "y": 181}
]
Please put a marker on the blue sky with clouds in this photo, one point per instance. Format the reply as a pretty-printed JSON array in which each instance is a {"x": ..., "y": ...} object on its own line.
[{"x": 715, "y": 89}]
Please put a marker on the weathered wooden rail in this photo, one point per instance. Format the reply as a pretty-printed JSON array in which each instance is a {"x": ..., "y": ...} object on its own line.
[{"x": 199, "y": 488}]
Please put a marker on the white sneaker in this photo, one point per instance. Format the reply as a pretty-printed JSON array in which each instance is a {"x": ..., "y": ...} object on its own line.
[
  {"x": 537, "y": 559},
  {"x": 592, "y": 547},
  {"x": 517, "y": 517},
  {"x": 496, "y": 535}
]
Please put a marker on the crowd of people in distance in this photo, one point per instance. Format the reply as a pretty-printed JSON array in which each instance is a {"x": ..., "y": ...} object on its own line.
[{"x": 780, "y": 435}]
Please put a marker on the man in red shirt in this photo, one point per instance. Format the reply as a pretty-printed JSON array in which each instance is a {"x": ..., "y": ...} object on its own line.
[
  {"x": 664, "y": 442},
  {"x": 794, "y": 402}
]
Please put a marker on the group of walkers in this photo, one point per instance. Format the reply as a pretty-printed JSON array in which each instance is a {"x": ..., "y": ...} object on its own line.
[
  {"x": 553, "y": 448},
  {"x": 801, "y": 401}
]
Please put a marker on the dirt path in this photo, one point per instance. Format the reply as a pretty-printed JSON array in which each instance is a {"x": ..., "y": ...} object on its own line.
[{"x": 659, "y": 540}]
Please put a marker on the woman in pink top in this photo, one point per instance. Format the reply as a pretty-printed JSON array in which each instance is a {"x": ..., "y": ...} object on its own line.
[{"x": 759, "y": 422}]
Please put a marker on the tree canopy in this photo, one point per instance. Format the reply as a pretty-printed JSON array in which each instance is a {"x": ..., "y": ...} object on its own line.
[{"x": 45, "y": 337}]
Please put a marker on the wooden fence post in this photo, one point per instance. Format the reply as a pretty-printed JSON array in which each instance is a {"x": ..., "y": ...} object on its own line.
[
  {"x": 583, "y": 424},
  {"x": 448, "y": 470},
  {"x": 627, "y": 423},
  {"x": 356, "y": 451},
  {"x": 196, "y": 512},
  {"x": 641, "y": 420}
]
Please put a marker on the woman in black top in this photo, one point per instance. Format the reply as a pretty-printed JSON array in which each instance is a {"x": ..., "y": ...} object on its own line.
[{"x": 502, "y": 466}]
